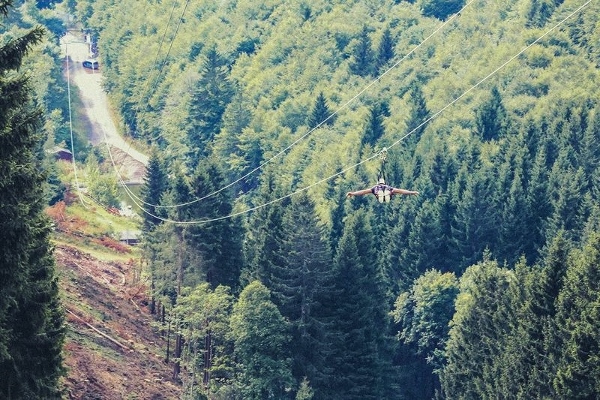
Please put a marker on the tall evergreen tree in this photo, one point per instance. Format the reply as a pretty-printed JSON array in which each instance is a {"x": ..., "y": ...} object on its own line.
[
  {"x": 385, "y": 51},
  {"x": 320, "y": 114},
  {"x": 577, "y": 321},
  {"x": 219, "y": 241},
  {"x": 374, "y": 128},
  {"x": 363, "y": 61},
  {"x": 359, "y": 358},
  {"x": 155, "y": 185},
  {"x": 490, "y": 118},
  {"x": 475, "y": 222},
  {"x": 262, "y": 245},
  {"x": 210, "y": 98},
  {"x": 31, "y": 319},
  {"x": 419, "y": 113},
  {"x": 300, "y": 282}
]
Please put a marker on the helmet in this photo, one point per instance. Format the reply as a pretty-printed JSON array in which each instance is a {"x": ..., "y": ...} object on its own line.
[{"x": 381, "y": 181}]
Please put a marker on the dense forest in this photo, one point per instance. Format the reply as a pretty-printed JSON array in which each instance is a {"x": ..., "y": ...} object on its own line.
[{"x": 260, "y": 116}]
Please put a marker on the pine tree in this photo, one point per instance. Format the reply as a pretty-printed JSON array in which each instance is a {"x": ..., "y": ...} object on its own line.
[
  {"x": 299, "y": 283},
  {"x": 211, "y": 96},
  {"x": 416, "y": 124},
  {"x": 441, "y": 9},
  {"x": 577, "y": 322},
  {"x": 539, "y": 12},
  {"x": 155, "y": 185},
  {"x": 262, "y": 247},
  {"x": 475, "y": 222},
  {"x": 320, "y": 114},
  {"x": 363, "y": 61},
  {"x": 218, "y": 242},
  {"x": 31, "y": 319},
  {"x": 374, "y": 128},
  {"x": 385, "y": 51},
  {"x": 359, "y": 358},
  {"x": 490, "y": 118}
]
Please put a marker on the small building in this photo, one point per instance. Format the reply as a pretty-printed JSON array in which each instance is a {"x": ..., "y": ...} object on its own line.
[
  {"x": 131, "y": 238},
  {"x": 61, "y": 153}
]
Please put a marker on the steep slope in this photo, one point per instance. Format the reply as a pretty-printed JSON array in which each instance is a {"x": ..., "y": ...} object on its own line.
[{"x": 112, "y": 352}]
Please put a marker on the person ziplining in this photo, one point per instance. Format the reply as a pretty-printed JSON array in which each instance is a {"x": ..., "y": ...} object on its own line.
[{"x": 383, "y": 192}]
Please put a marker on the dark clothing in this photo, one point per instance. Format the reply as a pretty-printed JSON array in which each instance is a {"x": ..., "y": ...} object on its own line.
[{"x": 383, "y": 192}]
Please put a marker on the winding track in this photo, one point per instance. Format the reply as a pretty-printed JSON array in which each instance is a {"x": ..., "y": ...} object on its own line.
[{"x": 103, "y": 130}]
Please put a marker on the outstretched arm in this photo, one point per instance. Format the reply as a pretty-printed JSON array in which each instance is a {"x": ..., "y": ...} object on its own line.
[
  {"x": 359, "y": 192},
  {"x": 404, "y": 191}
]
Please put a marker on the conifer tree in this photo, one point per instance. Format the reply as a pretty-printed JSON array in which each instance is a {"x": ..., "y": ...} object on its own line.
[
  {"x": 441, "y": 9},
  {"x": 577, "y": 322},
  {"x": 363, "y": 61},
  {"x": 211, "y": 96},
  {"x": 539, "y": 12},
  {"x": 359, "y": 358},
  {"x": 31, "y": 319},
  {"x": 320, "y": 114},
  {"x": 155, "y": 186},
  {"x": 385, "y": 51},
  {"x": 374, "y": 128},
  {"x": 300, "y": 281},
  {"x": 419, "y": 113},
  {"x": 262, "y": 247},
  {"x": 490, "y": 118},
  {"x": 218, "y": 243}
]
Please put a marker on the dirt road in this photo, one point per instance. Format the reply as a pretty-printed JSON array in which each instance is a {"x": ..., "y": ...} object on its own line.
[{"x": 103, "y": 131}]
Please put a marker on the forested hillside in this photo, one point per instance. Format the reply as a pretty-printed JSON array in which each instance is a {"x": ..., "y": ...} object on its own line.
[{"x": 262, "y": 115}]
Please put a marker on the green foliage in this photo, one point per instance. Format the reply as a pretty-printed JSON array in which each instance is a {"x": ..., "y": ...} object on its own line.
[
  {"x": 424, "y": 314},
  {"x": 261, "y": 338},
  {"x": 320, "y": 114},
  {"x": 490, "y": 118},
  {"x": 209, "y": 100},
  {"x": 31, "y": 319},
  {"x": 205, "y": 315},
  {"x": 440, "y": 9},
  {"x": 359, "y": 355},
  {"x": 509, "y": 167},
  {"x": 385, "y": 51},
  {"x": 577, "y": 321},
  {"x": 155, "y": 186},
  {"x": 364, "y": 57},
  {"x": 300, "y": 277},
  {"x": 481, "y": 321}
]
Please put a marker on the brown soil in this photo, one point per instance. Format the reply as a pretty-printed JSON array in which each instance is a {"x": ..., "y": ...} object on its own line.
[{"x": 111, "y": 351}]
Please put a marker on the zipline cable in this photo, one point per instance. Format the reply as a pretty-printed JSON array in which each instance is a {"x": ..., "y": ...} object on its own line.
[
  {"x": 165, "y": 58},
  {"x": 306, "y": 188},
  {"x": 79, "y": 195},
  {"x": 344, "y": 106}
]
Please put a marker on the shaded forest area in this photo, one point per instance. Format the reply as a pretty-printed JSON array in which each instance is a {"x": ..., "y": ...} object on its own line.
[{"x": 273, "y": 285}]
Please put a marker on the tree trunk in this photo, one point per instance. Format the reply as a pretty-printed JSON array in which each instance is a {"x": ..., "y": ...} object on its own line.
[
  {"x": 207, "y": 358},
  {"x": 177, "y": 355}
]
